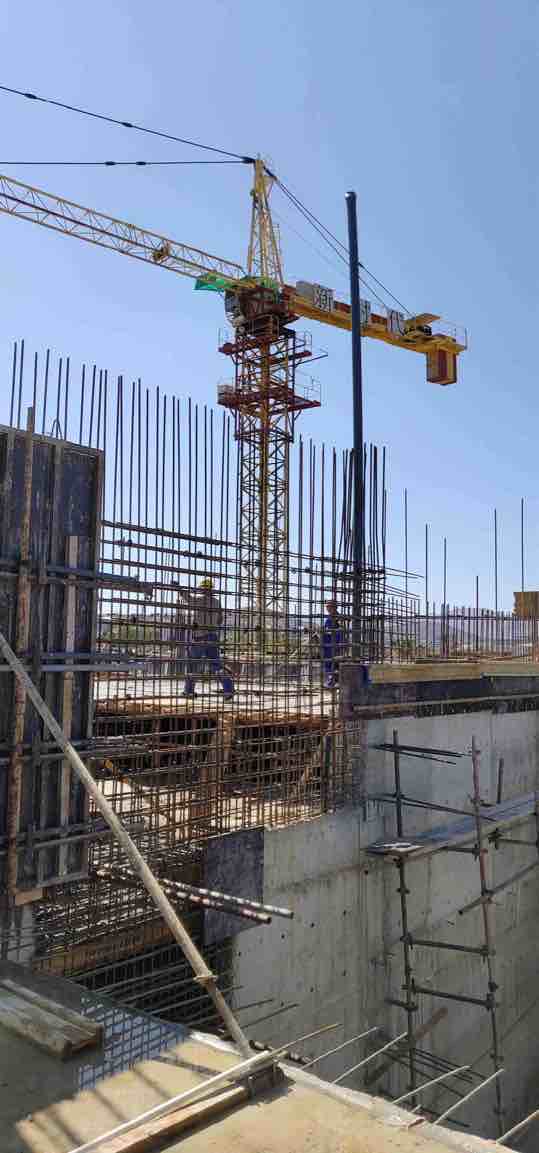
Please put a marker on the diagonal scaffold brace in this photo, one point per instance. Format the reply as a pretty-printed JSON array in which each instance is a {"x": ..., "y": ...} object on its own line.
[{"x": 203, "y": 975}]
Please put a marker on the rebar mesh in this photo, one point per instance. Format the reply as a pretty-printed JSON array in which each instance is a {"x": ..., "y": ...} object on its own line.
[{"x": 212, "y": 713}]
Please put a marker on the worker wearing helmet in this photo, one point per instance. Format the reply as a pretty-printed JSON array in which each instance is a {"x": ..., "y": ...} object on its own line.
[
  {"x": 333, "y": 644},
  {"x": 203, "y": 647}
]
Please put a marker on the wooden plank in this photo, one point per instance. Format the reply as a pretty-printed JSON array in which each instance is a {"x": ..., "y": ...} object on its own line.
[
  {"x": 458, "y": 832},
  {"x": 92, "y": 1029},
  {"x": 146, "y": 1138},
  {"x": 28, "y": 896},
  {"x": 105, "y": 948},
  {"x": 453, "y": 670},
  {"x": 70, "y": 602},
  {"x": 314, "y": 761},
  {"x": 46, "y": 1030}
]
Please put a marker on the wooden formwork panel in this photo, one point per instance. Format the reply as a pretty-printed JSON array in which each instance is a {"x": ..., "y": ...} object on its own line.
[{"x": 39, "y": 799}]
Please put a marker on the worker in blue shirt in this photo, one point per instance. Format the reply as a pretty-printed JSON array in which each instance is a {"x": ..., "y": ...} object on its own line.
[{"x": 333, "y": 645}]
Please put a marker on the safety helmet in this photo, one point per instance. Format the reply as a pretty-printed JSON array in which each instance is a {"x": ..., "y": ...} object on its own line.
[{"x": 207, "y": 583}]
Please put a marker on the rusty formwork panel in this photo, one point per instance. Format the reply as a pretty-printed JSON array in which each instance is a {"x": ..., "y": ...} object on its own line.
[{"x": 50, "y": 502}]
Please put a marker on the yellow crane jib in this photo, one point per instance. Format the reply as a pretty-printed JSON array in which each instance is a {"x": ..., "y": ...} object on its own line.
[{"x": 427, "y": 333}]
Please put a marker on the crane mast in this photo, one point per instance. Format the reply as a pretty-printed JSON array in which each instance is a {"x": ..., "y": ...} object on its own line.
[{"x": 265, "y": 398}]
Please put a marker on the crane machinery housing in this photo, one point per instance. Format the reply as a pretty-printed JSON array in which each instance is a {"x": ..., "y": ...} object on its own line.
[{"x": 265, "y": 394}]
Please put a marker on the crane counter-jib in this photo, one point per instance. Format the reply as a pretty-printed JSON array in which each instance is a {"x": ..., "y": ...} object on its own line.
[{"x": 415, "y": 333}]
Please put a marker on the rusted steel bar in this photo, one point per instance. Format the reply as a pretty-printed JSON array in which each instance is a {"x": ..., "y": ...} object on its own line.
[
  {"x": 203, "y": 974},
  {"x": 241, "y": 902}
]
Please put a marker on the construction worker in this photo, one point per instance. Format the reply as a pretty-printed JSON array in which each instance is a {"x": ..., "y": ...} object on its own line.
[
  {"x": 203, "y": 645},
  {"x": 333, "y": 645}
]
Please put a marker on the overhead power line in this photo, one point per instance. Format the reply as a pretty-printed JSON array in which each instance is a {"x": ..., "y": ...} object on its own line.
[
  {"x": 124, "y": 123},
  {"x": 109, "y": 163},
  {"x": 333, "y": 241}
]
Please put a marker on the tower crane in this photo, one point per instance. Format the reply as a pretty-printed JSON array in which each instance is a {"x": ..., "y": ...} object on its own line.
[{"x": 265, "y": 393}]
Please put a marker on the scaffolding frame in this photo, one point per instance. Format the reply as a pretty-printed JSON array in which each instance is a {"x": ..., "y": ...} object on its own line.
[{"x": 479, "y": 840}]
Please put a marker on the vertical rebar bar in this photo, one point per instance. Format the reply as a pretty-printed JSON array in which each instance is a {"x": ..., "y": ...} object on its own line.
[
  {"x": 66, "y": 399},
  {"x": 82, "y": 391},
  {"x": 13, "y": 378},
  {"x": 21, "y": 378},
  {"x": 411, "y": 1008},
  {"x": 45, "y": 390}
]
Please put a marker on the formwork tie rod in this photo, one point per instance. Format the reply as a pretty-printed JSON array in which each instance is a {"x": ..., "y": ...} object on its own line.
[
  {"x": 427, "y": 1084},
  {"x": 371, "y": 1057},
  {"x": 518, "y": 1128},
  {"x": 203, "y": 974},
  {"x": 330, "y": 1052},
  {"x": 468, "y": 1096}
]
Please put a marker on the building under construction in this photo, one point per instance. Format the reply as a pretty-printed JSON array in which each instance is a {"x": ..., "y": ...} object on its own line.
[
  {"x": 332, "y": 780},
  {"x": 340, "y": 845}
]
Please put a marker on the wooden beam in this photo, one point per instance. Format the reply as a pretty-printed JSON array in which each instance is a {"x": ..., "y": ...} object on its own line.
[
  {"x": 146, "y": 1138},
  {"x": 48, "y": 1029},
  {"x": 84, "y": 1024}
]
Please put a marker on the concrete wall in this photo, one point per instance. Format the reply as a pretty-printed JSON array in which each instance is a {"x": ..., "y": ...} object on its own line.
[{"x": 340, "y": 959}]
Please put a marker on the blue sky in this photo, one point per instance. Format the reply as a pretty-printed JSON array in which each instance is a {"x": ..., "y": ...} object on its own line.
[{"x": 428, "y": 110}]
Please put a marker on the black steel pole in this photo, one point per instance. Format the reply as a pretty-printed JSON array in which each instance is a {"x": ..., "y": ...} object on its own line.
[
  {"x": 522, "y": 543},
  {"x": 357, "y": 385}
]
